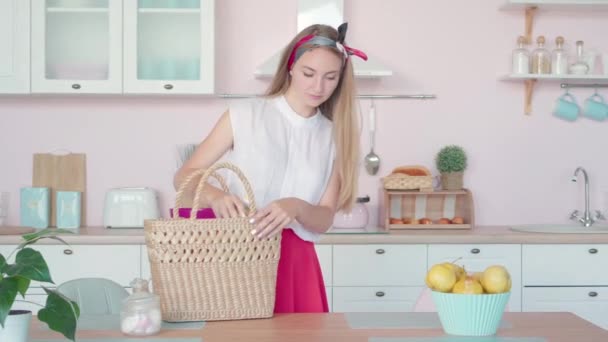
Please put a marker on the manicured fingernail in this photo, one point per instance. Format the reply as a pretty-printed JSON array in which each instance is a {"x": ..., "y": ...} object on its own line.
[{"x": 252, "y": 220}]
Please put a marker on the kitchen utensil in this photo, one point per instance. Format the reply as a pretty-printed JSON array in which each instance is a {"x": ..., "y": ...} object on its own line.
[
  {"x": 372, "y": 161},
  {"x": 4, "y": 199},
  {"x": 65, "y": 172},
  {"x": 129, "y": 207}
]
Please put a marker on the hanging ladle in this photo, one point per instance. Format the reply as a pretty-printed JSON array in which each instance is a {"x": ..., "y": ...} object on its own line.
[{"x": 372, "y": 161}]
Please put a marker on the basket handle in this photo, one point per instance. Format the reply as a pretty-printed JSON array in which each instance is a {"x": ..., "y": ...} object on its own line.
[
  {"x": 188, "y": 180},
  {"x": 212, "y": 171}
]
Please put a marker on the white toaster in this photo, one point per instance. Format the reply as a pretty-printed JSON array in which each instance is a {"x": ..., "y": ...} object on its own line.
[{"x": 129, "y": 207}]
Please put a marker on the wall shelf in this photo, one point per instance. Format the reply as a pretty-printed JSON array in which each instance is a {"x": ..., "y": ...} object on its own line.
[
  {"x": 531, "y": 7},
  {"x": 530, "y": 81}
]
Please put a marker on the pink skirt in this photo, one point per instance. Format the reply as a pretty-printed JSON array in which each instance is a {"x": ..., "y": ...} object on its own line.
[{"x": 300, "y": 286}]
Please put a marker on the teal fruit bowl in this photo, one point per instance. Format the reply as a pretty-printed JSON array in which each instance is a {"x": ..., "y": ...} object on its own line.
[{"x": 469, "y": 314}]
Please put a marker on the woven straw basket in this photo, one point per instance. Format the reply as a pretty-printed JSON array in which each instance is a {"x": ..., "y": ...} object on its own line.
[
  {"x": 212, "y": 269},
  {"x": 399, "y": 181}
]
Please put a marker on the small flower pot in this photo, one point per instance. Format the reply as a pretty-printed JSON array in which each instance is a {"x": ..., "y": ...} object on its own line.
[{"x": 451, "y": 180}]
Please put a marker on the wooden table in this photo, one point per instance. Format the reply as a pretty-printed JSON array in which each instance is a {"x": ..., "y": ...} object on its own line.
[{"x": 333, "y": 327}]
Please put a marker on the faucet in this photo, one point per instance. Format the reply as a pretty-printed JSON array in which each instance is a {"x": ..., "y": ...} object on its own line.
[{"x": 586, "y": 220}]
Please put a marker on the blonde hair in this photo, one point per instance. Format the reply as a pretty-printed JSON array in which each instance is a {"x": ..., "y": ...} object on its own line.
[{"x": 339, "y": 108}]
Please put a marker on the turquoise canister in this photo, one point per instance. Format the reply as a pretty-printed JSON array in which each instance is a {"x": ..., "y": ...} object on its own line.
[
  {"x": 68, "y": 209},
  {"x": 35, "y": 207}
]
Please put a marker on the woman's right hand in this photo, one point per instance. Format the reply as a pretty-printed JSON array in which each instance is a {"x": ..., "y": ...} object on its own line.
[{"x": 226, "y": 205}]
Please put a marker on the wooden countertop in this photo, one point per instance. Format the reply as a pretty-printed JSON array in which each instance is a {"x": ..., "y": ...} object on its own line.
[
  {"x": 476, "y": 235},
  {"x": 333, "y": 327}
]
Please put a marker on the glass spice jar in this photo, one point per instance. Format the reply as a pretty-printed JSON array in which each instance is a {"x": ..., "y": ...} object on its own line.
[{"x": 140, "y": 314}]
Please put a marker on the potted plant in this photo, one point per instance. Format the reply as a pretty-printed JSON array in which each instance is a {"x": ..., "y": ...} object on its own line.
[
  {"x": 451, "y": 162},
  {"x": 59, "y": 312}
]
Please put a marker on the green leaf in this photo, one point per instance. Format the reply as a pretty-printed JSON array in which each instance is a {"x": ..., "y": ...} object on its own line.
[
  {"x": 46, "y": 233},
  {"x": 60, "y": 313},
  {"x": 22, "y": 285},
  {"x": 30, "y": 264},
  {"x": 8, "y": 292},
  {"x": 3, "y": 264}
]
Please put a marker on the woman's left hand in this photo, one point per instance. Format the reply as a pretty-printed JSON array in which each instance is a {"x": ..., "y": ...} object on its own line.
[{"x": 276, "y": 216}]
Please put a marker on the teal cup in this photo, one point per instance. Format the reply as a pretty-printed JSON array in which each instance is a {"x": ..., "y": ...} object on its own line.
[
  {"x": 566, "y": 108},
  {"x": 596, "y": 108}
]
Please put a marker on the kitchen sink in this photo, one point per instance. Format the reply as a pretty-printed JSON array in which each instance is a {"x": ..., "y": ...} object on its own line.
[{"x": 561, "y": 228}]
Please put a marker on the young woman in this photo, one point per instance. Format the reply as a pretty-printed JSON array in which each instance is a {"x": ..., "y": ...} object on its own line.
[{"x": 299, "y": 148}]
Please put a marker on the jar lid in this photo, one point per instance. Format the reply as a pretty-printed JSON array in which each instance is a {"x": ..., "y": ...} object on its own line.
[{"x": 364, "y": 199}]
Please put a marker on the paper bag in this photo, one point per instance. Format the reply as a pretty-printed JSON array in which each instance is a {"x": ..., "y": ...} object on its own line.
[{"x": 61, "y": 172}]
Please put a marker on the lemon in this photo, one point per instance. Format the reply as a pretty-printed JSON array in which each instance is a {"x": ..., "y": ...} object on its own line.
[
  {"x": 468, "y": 285},
  {"x": 496, "y": 279},
  {"x": 441, "y": 278}
]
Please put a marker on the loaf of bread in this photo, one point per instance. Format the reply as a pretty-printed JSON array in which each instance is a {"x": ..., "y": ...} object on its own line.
[{"x": 413, "y": 170}]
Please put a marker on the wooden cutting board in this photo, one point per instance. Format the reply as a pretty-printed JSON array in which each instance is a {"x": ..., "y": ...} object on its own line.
[
  {"x": 16, "y": 230},
  {"x": 65, "y": 172}
]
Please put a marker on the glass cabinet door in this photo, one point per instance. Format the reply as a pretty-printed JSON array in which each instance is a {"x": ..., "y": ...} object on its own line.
[
  {"x": 14, "y": 47},
  {"x": 77, "y": 46},
  {"x": 169, "y": 46}
]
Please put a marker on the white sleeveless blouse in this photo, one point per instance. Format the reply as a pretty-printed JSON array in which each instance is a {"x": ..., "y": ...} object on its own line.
[{"x": 282, "y": 153}]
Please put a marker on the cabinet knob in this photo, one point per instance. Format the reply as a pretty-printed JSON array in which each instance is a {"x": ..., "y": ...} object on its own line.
[
  {"x": 593, "y": 251},
  {"x": 379, "y": 251},
  {"x": 379, "y": 294},
  {"x": 168, "y": 86},
  {"x": 75, "y": 86},
  {"x": 475, "y": 251},
  {"x": 592, "y": 294},
  {"x": 68, "y": 252}
]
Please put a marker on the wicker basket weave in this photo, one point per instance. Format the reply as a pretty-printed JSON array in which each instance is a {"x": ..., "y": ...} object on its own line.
[
  {"x": 212, "y": 269},
  {"x": 399, "y": 181}
]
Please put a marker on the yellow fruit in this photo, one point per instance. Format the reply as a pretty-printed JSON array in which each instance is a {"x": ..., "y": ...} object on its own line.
[
  {"x": 458, "y": 270},
  {"x": 477, "y": 276},
  {"x": 468, "y": 285},
  {"x": 496, "y": 279},
  {"x": 441, "y": 278}
]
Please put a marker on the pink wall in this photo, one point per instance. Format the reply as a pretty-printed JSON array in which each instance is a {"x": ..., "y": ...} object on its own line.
[{"x": 520, "y": 166}]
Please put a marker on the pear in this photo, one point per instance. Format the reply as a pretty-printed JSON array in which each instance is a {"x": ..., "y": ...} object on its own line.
[
  {"x": 441, "y": 278},
  {"x": 496, "y": 279},
  {"x": 468, "y": 285}
]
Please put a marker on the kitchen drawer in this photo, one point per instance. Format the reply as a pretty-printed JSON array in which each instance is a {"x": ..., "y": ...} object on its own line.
[
  {"x": 379, "y": 265},
  {"x": 554, "y": 265},
  {"x": 590, "y": 303},
  {"x": 120, "y": 263},
  {"x": 32, "y": 302},
  {"x": 325, "y": 260},
  {"x": 329, "y": 293},
  {"x": 477, "y": 257},
  {"x": 375, "y": 299}
]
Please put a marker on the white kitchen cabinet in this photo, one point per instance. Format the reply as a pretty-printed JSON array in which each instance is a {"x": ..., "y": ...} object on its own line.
[
  {"x": 375, "y": 298},
  {"x": 374, "y": 278},
  {"x": 564, "y": 265},
  {"x": 120, "y": 263},
  {"x": 14, "y": 46},
  {"x": 324, "y": 254},
  {"x": 76, "y": 46},
  {"x": 31, "y": 302},
  {"x": 379, "y": 265},
  {"x": 477, "y": 257},
  {"x": 329, "y": 293},
  {"x": 590, "y": 303},
  {"x": 169, "y": 50}
]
